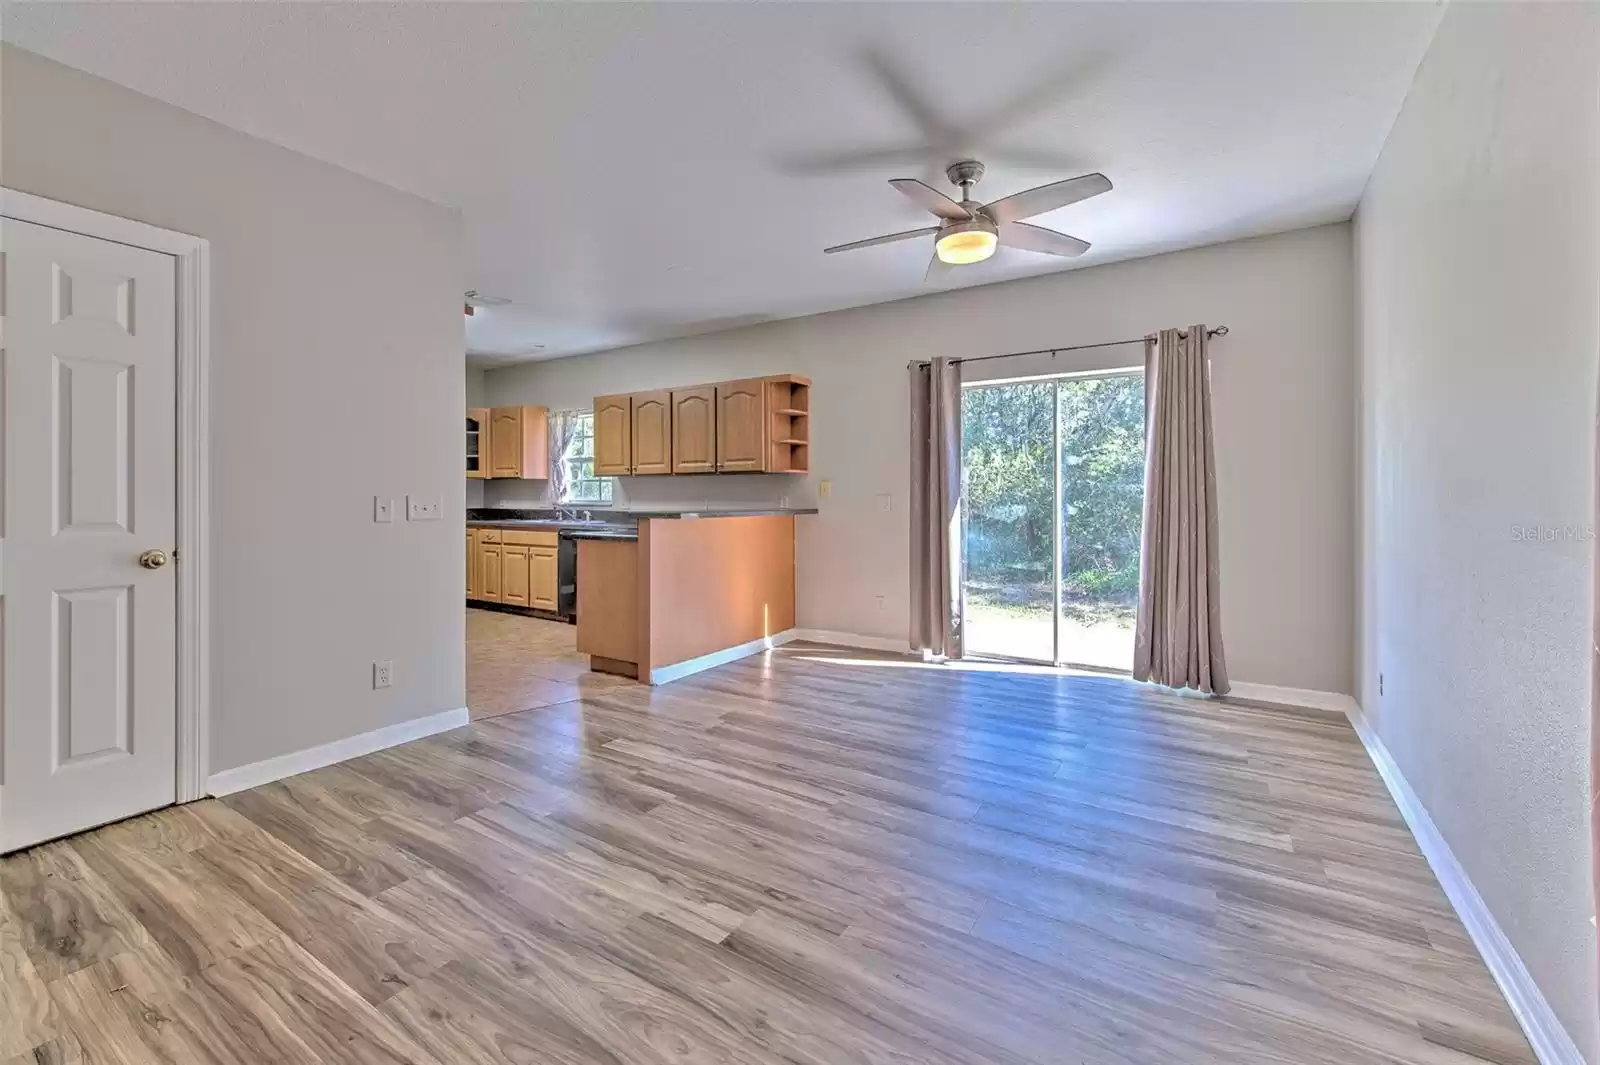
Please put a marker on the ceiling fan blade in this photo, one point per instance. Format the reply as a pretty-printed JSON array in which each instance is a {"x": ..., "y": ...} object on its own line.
[
  {"x": 930, "y": 199},
  {"x": 933, "y": 125},
  {"x": 856, "y": 161},
  {"x": 1037, "y": 238},
  {"x": 938, "y": 270},
  {"x": 889, "y": 238},
  {"x": 1047, "y": 198}
]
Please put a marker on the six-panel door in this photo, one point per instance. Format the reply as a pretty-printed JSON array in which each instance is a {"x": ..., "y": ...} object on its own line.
[
  {"x": 88, "y": 719},
  {"x": 694, "y": 430},
  {"x": 613, "y": 436},
  {"x": 652, "y": 432}
]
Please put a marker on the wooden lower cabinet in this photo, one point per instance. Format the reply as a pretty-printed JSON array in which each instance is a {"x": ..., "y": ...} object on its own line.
[
  {"x": 513, "y": 566},
  {"x": 489, "y": 560},
  {"x": 542, "y": 580},
  {"x": 514, "y": 574}
]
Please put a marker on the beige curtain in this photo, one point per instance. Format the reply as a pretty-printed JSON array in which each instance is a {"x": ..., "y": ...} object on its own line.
[
  {"x": 1178, "y": 631},
  {"x": 936, "y": 507},
  {"x": 563, "y": 428}
]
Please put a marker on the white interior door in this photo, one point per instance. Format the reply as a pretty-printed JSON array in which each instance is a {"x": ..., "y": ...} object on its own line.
[{"x": 88, "y": 721}]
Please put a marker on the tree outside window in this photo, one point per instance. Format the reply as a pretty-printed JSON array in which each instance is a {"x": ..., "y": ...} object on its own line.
[{"x": 582, "y": 484}]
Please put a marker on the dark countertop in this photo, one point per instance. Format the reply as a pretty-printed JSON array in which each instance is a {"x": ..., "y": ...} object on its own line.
[
  {"x": 593, "y": 532},
  {"x": 536, "y": 519},
  {"x": 756, "y": 512}
]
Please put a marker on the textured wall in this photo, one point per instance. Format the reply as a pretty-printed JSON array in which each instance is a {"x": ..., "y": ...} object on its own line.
[
  {"x": 336, "y": 355},
  {"x": 1479, "y": 286}
]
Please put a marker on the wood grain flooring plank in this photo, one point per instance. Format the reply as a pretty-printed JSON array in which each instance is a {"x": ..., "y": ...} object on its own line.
[
  {"x": 807, "y": 857},
  {"x": 370, "y": 949},
  {"x": 27, "y": 1017},
  {"x": 177, "y": 899},
  {"x": 68, "y": 916}
]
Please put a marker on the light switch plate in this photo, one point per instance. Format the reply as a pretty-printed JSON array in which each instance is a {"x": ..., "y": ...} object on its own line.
[
  {"x": 382, "y": 509},
  {"x": 420, "y": 509},
  {"x": 824, "y": 489},
  {"x": 885, "y": 503}
]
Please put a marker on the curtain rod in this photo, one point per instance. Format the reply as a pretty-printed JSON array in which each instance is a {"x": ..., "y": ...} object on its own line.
[{"x": 1219, "y": 331}]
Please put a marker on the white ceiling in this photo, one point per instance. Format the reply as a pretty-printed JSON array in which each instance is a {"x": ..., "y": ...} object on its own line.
[{"x": 629, "y": 172}]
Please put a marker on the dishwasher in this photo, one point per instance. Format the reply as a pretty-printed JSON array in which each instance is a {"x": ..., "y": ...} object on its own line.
[{"x": 567, "y": 579}]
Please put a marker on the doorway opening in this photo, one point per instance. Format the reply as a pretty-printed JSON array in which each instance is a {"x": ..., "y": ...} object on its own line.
[{"x": 1053, "y": 489}]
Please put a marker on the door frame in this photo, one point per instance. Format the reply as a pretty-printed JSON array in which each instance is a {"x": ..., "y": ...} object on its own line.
[
  {"x": 192, "y": 551},
  {"x": 1054, "y": 379}
]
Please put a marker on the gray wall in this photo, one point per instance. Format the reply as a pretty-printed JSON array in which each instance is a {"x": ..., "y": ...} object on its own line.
[
  {"x": 336, "y": 351},
  {"x": 1479, "y": 278},
  {"x": 1283, "y": 383}
]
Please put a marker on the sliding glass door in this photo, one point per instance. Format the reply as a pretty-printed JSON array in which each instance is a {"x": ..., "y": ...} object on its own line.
[{"x": 1053, "y": 475}]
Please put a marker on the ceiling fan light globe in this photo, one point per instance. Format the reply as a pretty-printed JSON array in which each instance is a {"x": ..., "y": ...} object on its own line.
[{"x": 961, "y": 245}]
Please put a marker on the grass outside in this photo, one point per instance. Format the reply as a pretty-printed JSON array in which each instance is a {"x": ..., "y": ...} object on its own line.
[{"x": 1014, "y": 621}]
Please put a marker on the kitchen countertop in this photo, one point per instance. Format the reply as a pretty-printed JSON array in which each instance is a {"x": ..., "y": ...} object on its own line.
[
  {"x": 531, "y": 519},
  {"x": 597, "y": 532}
]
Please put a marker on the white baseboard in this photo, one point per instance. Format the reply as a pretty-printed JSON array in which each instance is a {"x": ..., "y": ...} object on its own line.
[
  {"x": 1551, "y": 1042},
  {"x": 851, "y": 639},
  {"x": 1306, "y": 698},
  {"x": 287, "y": 765},
  {"x": 716, "y": 658}
]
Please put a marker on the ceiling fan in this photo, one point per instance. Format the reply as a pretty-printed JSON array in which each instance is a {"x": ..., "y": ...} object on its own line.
[{"x": 969, "y": 231}]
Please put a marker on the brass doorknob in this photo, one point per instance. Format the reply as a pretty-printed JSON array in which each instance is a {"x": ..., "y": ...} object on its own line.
[{"x": 153, "y": 559}]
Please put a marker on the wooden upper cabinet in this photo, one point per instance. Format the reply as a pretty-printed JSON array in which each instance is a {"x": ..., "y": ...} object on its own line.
[
  {"x": 477, "y": 441},
  {"x": 742, "y": 426},
  {"x": 519, "y": 443},
  {"x": 694, "y": 429},
  {"x": 613, "y": 436},
  {"x": 652, "y": 432}
]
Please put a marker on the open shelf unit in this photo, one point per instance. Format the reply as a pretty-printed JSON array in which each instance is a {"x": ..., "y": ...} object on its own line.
[{"x": 789, "y": 424}]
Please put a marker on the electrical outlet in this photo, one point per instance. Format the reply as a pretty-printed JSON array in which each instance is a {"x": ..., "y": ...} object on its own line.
[
  {"x": 382, "y": 509},
  {"x": 420, "y": 509},
  {"x": 783, "y": 502},
  {"x": 382, "y": 675},
  {"x": 883, "y": 604},
  {"x": 824, "y": 489},
  {"x": 885, "y": 503}
]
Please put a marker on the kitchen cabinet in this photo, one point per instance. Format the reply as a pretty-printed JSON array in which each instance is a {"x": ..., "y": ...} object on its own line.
[
  {"x": 652, "y": 432},
  {"x": 514, "y": 574},
  {"x": 758, "y": 425},
  {"x": 543, "y": 587},
  {"x": 694, "y": 429},
  {"x": 613, "y": 436},
  {"x": 517, "y": 567},
  {"x": 519, "y": 443},
  {"x": 489, "y": 559},
  {"x": 477, "y": 441},
  {"x": 741, "y": 426}
]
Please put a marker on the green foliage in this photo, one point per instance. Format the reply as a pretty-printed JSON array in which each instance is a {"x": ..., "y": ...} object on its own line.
[{"x": 1008, "y": 433}]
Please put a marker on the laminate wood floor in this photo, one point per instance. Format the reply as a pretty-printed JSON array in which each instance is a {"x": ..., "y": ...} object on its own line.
[{"x": 804, "y": 858}]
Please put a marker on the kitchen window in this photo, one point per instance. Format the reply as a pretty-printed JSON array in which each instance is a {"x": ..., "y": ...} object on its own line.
[{"x": 582, "y": 484}]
